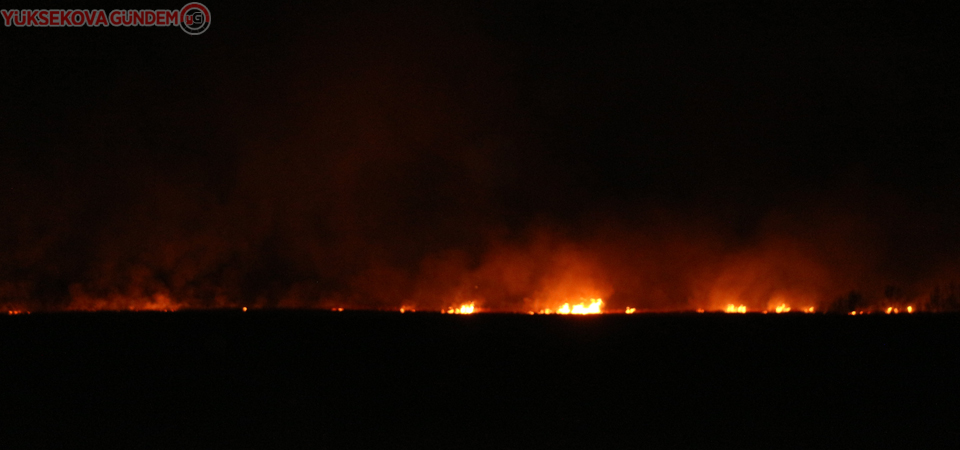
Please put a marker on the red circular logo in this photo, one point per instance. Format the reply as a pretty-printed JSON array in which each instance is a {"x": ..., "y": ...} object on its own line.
[{"x": 194, "y": 18}]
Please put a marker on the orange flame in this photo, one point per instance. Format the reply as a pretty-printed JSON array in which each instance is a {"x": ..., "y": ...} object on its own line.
[
  {"x": 466, "y": 308},
  {"x": 595, "y": 307},
  {"x": 736, "y": 309}
]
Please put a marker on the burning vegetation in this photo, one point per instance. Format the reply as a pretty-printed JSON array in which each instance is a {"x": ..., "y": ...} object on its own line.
[{"x": 407, "y": 161}]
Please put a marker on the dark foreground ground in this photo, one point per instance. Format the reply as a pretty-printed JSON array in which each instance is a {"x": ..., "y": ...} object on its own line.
[{"x": 295, "y": 379}]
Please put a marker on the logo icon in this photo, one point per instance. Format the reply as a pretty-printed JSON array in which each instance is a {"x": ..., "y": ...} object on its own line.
[{"x": 194, "y": 18}]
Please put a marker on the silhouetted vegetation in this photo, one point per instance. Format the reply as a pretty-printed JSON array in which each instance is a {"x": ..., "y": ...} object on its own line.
[
  {"x": 850, "y": 302},
  {"x": 945, "y": 299}
]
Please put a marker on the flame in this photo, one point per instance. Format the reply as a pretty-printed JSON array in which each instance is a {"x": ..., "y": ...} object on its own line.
[
  {"x": 595, "y": 307},
  {"x": 244, "y": 309},
  {"x": 630, "y": 310},
  {"x": 15, "y": 312},
  {"x": 466, "y": 308},
  {"x": 580, "y": 308},
  {"x": 909, "y": 309},
  {"x": 736, "y": 309},
  {"x": 809, "y": 310},
  {"x": 782, "y": 308}
]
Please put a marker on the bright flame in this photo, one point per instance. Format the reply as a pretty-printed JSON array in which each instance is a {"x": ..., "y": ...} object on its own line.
[
  {"x": 810, "y": 309},
  {"x": 736, "y": 309},
  {"x": 630, "y": 310},
  {"x": 910, "y": 310},
  {"x": 244, "y": 309},
  {"x": 593, "y": 308},
  {"x": 782, "y": 308},
  {"x": 466, "y": 308}
]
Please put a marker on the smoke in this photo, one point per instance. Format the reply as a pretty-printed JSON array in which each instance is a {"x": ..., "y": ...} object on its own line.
[{"x": 410, "y": 156}]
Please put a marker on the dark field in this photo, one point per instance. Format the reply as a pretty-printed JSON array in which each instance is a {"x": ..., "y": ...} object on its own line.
[{"x": 303, "y": 379}]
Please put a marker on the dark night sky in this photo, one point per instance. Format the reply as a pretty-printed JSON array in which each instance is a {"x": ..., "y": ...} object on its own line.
[{"x": 662, "y": 154}]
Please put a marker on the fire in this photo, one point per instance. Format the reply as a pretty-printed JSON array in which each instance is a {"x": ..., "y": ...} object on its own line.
[
  {"x": 595, "y": 307},
  {"x": 782, "y": 308},
  {"x": 466, "y": 308},
  {"x": 736, "y": 309},
  {"x": 580, "y": 308},
  {"x": 896, "y": 310},
  {"x": 15, "y": 312},
  {"x": 630, "y": 310}
]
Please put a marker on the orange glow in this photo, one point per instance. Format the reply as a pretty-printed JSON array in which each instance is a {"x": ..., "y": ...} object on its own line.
[
  {"x": 782, "y": 308},
  {"x": 15, "y": 312},
  {"x": 580, "y": 308},
  {"x": 595, "y": 307},
  {"x": 910, "y": 309},
  {"x": 700, "y": 310},
  {"x": 630, "y": 310},
  {"x": 244, "y": 309},
  {"x": 810, "y": 309},
  {"x": 156, "y": 302},
  {"x": 466, "y": 308},
  {"x": 736, "y": 309}
]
